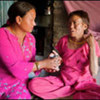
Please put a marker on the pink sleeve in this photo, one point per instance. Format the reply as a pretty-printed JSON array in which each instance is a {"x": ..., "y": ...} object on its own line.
[
  {"x": 97, "y": 48},
  {"x": 8, "y": 59},
  {"x": 34, "y": 53}
]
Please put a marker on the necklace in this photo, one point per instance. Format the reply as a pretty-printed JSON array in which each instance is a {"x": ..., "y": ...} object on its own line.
[
  {"x": 78, "y": 43},
  {"x": 21, "y": 46}
]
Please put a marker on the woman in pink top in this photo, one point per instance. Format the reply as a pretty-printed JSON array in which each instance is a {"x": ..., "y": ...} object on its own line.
[
  {"x": 17, "y": 52},
  {"x": 79, "y": 52}
]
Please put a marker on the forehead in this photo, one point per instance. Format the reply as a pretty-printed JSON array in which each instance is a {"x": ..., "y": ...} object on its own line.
[
  {"x": 75, "y": 18},
  {"x": 31, "y": 12}
]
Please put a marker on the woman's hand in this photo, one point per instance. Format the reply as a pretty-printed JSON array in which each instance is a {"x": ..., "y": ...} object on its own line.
[
  {"x": 53, "y": 54},
  {"x": 89, "y": 39},
  {"x": 57, "y": 60},
  {"x": 53, "y": 63}
]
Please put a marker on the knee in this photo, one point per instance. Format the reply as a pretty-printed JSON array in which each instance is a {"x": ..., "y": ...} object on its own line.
[{"x": 34, "y": 86}]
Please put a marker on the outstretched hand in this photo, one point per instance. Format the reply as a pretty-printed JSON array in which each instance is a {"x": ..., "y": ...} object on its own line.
[{"x": 54, "y": 56}]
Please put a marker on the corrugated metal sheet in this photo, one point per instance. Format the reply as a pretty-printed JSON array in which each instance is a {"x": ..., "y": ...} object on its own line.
[{"x": 4, "y": 6}]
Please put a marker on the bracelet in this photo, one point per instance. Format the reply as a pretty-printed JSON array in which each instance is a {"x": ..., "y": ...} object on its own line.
[{"x": 37, "y": 65}]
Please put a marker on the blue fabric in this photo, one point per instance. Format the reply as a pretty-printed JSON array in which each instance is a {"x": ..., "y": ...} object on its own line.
[{"x": 31, "y": 75}]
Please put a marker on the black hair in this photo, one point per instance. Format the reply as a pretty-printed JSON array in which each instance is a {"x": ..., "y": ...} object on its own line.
[
  {"x": 18, "y": 9},
  {"x": 82, "y": 14}
]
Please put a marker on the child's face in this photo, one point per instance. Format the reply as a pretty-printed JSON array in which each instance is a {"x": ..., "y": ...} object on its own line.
[{"x": 76, "y": 27}]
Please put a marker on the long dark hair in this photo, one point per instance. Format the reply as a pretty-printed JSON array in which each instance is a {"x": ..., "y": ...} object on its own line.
[
  {"x": 82, "y": 14},
  {"x": 19, "y": 8}
]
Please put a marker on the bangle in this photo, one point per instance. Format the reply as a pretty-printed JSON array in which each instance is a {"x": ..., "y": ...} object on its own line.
[{"x": 37, "y": 65}]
